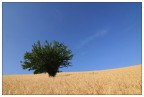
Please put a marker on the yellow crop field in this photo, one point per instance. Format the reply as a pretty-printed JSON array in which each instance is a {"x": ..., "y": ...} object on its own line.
[{"x": 126, "y": 80}]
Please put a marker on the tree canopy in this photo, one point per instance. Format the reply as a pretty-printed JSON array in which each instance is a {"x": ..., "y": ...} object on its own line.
[{"x": 47, "y": 58}]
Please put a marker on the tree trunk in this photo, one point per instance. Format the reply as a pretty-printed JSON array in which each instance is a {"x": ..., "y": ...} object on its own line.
[{"x": 52, "y": 71}]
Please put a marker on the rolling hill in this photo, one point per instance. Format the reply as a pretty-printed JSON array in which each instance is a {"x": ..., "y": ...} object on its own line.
[{"x": 127, "y": 80}]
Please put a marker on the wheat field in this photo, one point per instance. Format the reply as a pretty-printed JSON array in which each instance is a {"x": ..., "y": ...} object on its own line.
[{"x": 126, "y": 80}]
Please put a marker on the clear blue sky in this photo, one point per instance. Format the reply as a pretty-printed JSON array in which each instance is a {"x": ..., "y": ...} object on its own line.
[{"x": 101, "y": 35}]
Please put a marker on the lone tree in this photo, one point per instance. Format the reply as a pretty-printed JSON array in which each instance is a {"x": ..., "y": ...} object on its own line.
[{"x": 47, "y": 58}]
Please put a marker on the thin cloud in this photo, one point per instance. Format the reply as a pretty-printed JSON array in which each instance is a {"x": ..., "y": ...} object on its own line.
[{"x": 92, "y": 37}]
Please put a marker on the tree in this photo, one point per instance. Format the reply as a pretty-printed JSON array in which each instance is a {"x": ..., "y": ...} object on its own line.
[{"x": 47, "y": 58}]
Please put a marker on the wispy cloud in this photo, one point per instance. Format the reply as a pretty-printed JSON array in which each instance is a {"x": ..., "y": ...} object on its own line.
[{"x": 91, "y": 38}]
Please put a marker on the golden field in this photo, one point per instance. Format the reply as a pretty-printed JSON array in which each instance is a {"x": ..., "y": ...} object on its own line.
[{"x": 126, "y": 80}]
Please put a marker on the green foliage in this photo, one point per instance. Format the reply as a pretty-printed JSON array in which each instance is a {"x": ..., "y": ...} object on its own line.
[{"x": 47, "y": 58}]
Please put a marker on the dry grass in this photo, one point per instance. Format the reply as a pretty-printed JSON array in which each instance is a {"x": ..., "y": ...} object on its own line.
[{"x": 115, "y": 81}]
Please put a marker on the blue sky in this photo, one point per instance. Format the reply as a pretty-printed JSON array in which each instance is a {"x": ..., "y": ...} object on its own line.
[{"x": 101, "y": 35}]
